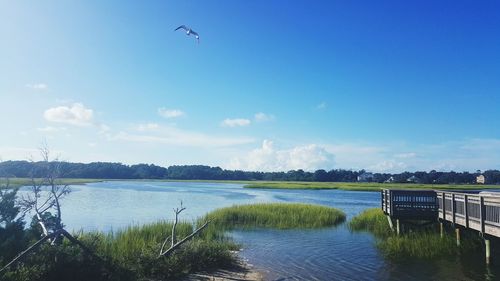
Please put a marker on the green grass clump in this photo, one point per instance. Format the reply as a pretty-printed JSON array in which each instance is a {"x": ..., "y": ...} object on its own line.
[
  {"x": 420, "y": 243},
  {"x": 423, "y": 245},
  {"x": 372, "y": 220},
  {"x": 276, "y": 215}
]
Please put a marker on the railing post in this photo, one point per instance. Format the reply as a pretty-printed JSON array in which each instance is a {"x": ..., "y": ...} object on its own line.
[
  {"x": 441, "y": 229},
  {"x": 390, "y": 223},
  {"x": 487, "y": 246},
  {"x": 457, "y": 233},
  {"x": 481, "y": 213},
  {"x": 382, "y": 200},
  {"x": 443, "y": 199},
  {"x": 466, "y": 213},
  {"x": 390, "y": 203},
  {"x": 453, "y": 208}
]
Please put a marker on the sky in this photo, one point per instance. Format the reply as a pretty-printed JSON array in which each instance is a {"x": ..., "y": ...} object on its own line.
[{"x": 386, "y": 86}]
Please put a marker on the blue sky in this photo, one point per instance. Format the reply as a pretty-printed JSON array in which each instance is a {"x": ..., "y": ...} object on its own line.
[{"x": 273, "y": 85}]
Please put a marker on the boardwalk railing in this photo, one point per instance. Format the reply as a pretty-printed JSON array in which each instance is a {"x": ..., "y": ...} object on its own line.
[
  {"x": 409, "y": 204},
  {"x": 479, "y": 212},
  {"x": 476, "y": 211}
]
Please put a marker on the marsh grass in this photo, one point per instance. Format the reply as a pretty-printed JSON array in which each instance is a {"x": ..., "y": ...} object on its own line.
[
  {"x": 276, "y": 215},
  {"x": 422, "y": 243},
  {"x": 371, "y": 220},
  {"x": 360, "y": 186},
  {"x": 18, "y": 182},
  {"x": 128, "y": 254},
  {"x": 136, "y": 248}
]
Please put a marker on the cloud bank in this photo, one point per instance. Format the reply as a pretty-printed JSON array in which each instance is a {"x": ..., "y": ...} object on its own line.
[{"x": 266, "y": 158}]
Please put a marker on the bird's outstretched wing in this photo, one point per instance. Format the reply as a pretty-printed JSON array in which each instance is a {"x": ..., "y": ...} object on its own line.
[
  {"x": 195, "y": 33},
  {"x": 182, "y": 26}
]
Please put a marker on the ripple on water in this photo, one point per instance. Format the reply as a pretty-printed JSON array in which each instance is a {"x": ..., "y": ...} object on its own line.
[{"x": 321, "y": 254}]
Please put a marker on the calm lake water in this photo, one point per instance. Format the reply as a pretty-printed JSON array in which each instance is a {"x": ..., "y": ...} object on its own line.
[{"x": 324, "y": 254}]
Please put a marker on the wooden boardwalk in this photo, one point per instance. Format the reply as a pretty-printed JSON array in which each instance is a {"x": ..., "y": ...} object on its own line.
[
  {"x": 479, "y": 212},
  {"x": 475, "y": 211}
]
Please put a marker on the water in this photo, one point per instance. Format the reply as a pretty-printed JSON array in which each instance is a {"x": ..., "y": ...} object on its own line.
[{"x": 324, "y": 254}]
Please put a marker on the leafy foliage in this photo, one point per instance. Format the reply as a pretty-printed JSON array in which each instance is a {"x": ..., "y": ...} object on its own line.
[{"x": 12, "y": 236}]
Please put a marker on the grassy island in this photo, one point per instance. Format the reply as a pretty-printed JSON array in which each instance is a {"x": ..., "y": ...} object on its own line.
[{"x": 276, "y": 215}]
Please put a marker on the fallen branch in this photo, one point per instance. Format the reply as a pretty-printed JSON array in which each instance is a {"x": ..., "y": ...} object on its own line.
[
  {"x": 32, "y": 248},
  {"x": 163, "y": 245},
  {"x": 54, "y": 235},
  {"x": 178, "y": 244},
  {"x": 81, "y": 245}
]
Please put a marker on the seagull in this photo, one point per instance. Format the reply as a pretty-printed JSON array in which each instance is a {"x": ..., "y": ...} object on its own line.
[{"x": 189, "y": 31}]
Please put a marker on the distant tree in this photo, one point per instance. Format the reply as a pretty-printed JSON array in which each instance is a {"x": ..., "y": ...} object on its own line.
[{"x": 320, "y": 175}]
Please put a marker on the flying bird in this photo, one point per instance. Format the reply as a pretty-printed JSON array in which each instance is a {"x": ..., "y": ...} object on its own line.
[{"x": 189, "y": 31}]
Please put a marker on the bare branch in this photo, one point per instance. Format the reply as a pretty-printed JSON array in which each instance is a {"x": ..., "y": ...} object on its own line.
[
  {"x": 187, "y": 238},
  {"x": 30, "y": 249},
  {"x": 163, "y": 245}
]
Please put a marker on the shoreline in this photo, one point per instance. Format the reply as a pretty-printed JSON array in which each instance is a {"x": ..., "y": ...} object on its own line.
[
  {"x": 241, "y": 271},
  {"x": 348, "y": 186}
]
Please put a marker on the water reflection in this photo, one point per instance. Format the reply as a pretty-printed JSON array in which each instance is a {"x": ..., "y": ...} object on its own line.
[{"x": 323, "y": 254}]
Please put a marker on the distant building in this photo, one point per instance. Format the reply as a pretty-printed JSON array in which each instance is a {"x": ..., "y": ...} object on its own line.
[
  {"x": 480, "y": 179},
  {"x": 413, "y": 179},
  {"x": 365, "y": 177},
  {"x": 390, "y": 179}
]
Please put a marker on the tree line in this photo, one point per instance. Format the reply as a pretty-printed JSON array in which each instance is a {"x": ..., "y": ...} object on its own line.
[{"x": 107, "y": 170}]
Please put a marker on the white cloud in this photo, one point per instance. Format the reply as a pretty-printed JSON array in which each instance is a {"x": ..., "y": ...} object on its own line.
[
  {"x": 175, "y": 136},
  {"x": 170, "y": 113},
  {"x": 147, "y": 127},
  {"x": 308, "y": 157},
  {"x": 50, "y": 129},
  {"x": 263, "y": 117},
  {"x": 103, "y": 128},
  {"x": 76, "y": 114},
  {"x": 388, "y": 165},
  {"x": 322, "y": 105},
  {"x": 237, "y": 122},
  {"x": 37, "y": 86},
  {"x": 406, "y": 155}
]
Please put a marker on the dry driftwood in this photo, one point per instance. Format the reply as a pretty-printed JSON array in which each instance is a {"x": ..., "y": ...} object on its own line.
[
  {"x": 174, "y": 245},
  {"x": 178, "y": 244}
]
